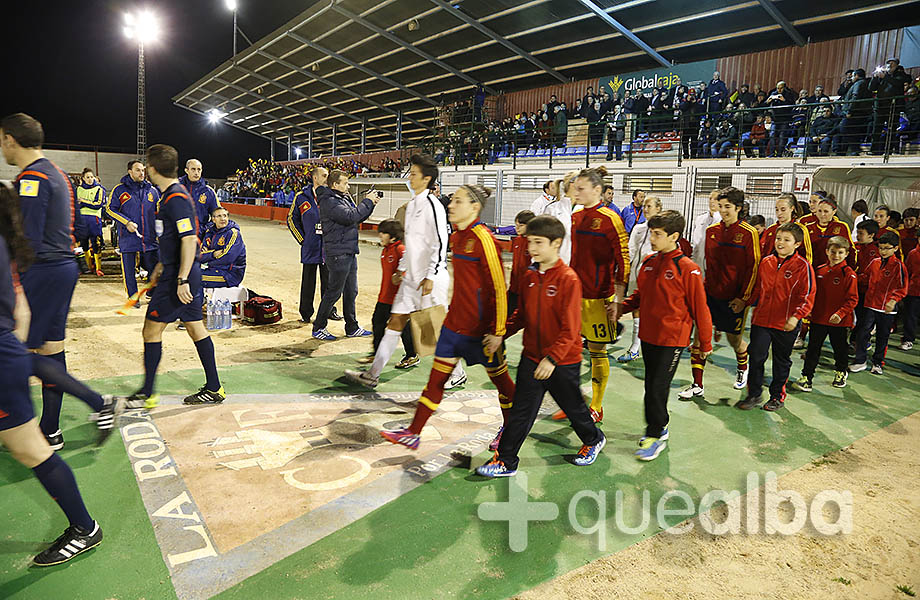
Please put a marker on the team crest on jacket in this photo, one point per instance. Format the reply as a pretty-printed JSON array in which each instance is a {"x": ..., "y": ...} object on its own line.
[
  {"x": 470, "y": 245},
  {"x": 738, "y": 238},
  {"x": 202, "y": 198},
  {"x": 550, "y": 290},
  {"x": 125, "y": 196},
  {"x": 220, "y": 241},
  {"x": 669, "y": 274},
  {"x": 788, "y": 274},
  {"x": 305, "y": 207},
  {"x": 149, "y": 196},
  {"x": 595, "y": 223},
  {"x": 836, "y": 281}
]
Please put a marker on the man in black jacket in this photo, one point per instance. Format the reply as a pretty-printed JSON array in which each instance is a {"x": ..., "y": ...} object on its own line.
[
  {"x": 781, "y": 99},
  {"x": 856, "y": 107},
  {"x": 888, "y": 87},
  {"x": 340, "y": 218},
  {"x": 822, "y": 133}
]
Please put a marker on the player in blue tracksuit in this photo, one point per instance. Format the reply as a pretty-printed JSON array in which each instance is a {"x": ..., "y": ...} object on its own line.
[
  {"x": 304, "y": 222},
  {"x": 46, "y": 213},
  {"x": 88, "y": 224},
  {"x": 178, "y": 294},
  {"x": 203, "y": 195},
  {"x": 223, "y": 253},
  {"x": 132, "y": 204}
]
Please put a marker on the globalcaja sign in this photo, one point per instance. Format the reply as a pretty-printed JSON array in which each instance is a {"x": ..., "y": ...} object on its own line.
[{"x": 666, "y": 77}]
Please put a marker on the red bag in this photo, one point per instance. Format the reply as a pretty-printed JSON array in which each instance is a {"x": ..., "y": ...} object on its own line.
[{"x": 261, "y": 310}]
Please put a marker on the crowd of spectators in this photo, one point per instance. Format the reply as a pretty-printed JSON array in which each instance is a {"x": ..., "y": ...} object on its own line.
[
  {"x": 264, "y": 178},
  {"x": 711, "y": 119}
]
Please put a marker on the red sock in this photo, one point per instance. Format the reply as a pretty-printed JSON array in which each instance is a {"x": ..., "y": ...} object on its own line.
[
  {"x": 432, "y": 395},
  {"x": 505, "y": 387},
  {"x": 742, "y": 360},
  {"x": 696, "y": 365}
]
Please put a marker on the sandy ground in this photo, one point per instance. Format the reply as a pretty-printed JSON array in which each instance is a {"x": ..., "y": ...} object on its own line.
[{"x": 882, "y": 552}]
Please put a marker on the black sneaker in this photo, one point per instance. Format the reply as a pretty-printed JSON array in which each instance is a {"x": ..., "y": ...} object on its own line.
[
  {"x": 74, "y": 541},
  {"x": 206, "y": 396},
  {"x": 55, "y": 440},
  {"x": 408, "y": 362},
  {"x": 105, "y": 421},
  {"x": 773, "y": 404},
  {"x": 749, "y": 403},
  {"x": 335, "y": 316}
]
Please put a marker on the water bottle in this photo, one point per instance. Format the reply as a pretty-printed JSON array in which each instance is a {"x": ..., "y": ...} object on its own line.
[
  {"x": 225, "y": 315},
  {"x": 211, "y": 311}
]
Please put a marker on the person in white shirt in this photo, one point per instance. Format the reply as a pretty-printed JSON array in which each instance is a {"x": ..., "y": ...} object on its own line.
[
  {"x": 640, "y": 246},
  {"x": 859, "y": 212},
  {"x": 561, "y": 208},
  {"x": 549, "y": 193},
  {"x": 422, "y": 270},
  {"x": 698, "y": 234}
]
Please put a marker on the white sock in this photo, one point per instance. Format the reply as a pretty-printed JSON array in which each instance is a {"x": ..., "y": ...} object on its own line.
[
  {"x": 384, "y": 351},
  {"x": 634, "y": 347},
  {"x": 458, "y": 370}
]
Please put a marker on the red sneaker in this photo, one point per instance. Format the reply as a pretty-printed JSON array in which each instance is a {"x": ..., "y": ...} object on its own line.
[
  {"x": 559, "y": 415},
  {"x": 403, "y": 437},
  {"x": 597, "y": 415}
]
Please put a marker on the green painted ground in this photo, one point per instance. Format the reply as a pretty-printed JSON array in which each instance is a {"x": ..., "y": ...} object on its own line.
[{"x": 429, "y": 543}]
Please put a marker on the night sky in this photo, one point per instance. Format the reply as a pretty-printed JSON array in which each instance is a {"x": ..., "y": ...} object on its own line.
[{"x": 69, "y": 65}]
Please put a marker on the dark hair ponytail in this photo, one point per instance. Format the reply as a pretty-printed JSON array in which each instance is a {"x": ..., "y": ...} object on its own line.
[{"x": 11, "y": 228}]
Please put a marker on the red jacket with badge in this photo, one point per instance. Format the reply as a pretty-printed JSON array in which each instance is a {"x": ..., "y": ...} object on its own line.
[
  {"x": 480, "y": 301},
  {"x": 600, "y": 251},
  {"x": 865, "y": 254},
  {"x": 732, "y": 256},
  {"x": 886, "y": 280},
  {"x": 908, "y": 240},
  {"x": 836, "y": 295},
  {"x": 785, "y": 288},
  {"x": 389, "y": 260},
  {"x": 670, "y": 296},
  {"x": 549, "y": 312},
  {"x": 520, "y": 260},
  {"x": 913, "y": 272},
  {"x": 821, "y": 235}
]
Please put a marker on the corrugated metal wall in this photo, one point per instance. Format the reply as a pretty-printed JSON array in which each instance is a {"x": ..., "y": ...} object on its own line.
[
  {"x": 813, "y": 64},
  {"x": 508, "y": 105}
]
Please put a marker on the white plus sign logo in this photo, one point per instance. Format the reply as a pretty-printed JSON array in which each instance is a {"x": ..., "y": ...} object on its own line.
[{"x": 518, "y": 512}]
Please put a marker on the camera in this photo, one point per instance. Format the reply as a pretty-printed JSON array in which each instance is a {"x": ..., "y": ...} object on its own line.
[{"x": 379, "y": 194}]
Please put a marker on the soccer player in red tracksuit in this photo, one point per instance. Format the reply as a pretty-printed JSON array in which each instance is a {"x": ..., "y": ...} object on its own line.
[
  {"x": 911, "y": 305},
  {"x": 732, "y": 258},
  {"x": 786, "y": 211},
  {"x": 478, "y": 310},
  {"x": 671, "y": 298},
  {"x": 813, "y": 200},
  {"x": 835, "y": 300},
  {"x": 520, "y": 259},
  {"x": 784, "y": 294},
  {"x": 886, "y": 284},
  {"x": 549, "y": 312},
  {"x": 825, "y": 226},
  {"x": 908, "y": 232}
]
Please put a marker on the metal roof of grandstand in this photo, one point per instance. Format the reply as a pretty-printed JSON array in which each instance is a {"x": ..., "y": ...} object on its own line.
[{"x": 342, "y": 61}]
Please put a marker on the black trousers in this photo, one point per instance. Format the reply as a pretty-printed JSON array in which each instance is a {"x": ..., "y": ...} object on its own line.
[
  {"x": 816, "y": 336},
  {"x": 563, "y": 386},
  {"x": 761, "y": 340},
  {"x": 660, "y": 365},
  {"x": 379, "y": 324},
  {"x": 512, "y": 302},
  {"x": 882, "y": 323},
  {"x": 343, "y": 283},
  {"x": 308, "y": 288},
  {"x": 910, "y": 309}
]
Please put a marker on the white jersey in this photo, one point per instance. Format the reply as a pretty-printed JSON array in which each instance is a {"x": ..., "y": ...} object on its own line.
[
  {"x": 426, "y": 239},
  {"x": 562, "y": 210},
  {"x": 539, "y": 205},
  {"x": 856, "y": 222},
  {"x": 698, "y": 238},
  {"x": 640, "y": 246}
]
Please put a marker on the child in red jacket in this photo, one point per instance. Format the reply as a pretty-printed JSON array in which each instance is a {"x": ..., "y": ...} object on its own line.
[
  {"x": 520, "y": 259},
  {"x": 670, "y": 295},
  {"x": 835, "y": 300},
  {"x": 784, "y": 294},
  {"x": 911, "y": 306},
  {"x": 549, "y": 312},
  {"x": 886, "y": 284}
]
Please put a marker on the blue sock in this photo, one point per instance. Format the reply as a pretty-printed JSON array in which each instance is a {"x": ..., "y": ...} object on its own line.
[
  {"x": 58, "y": 480},
  {"x": 152, "y": 353},
  {"x": 52, "y": 396},
  {"x": 205, "y": 349},
  {"x": 52, "y": 370}
]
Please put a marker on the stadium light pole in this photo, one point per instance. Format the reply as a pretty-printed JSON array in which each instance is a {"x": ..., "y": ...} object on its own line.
[
  {"x": 143, "y": 28},
  {"x": 231, "y": 6}
]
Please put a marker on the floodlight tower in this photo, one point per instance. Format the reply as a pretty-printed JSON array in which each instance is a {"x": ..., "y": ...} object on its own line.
[{"x": 142, "y": 27}]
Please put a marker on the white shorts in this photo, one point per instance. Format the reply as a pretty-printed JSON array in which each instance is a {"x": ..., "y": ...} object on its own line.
[{"x": 409, "y": 297}]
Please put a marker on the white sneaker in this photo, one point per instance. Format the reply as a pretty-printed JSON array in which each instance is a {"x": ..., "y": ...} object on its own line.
[
  {"x": 858, "y": 367},
  {"x": 691, "y": 392},
  {"x": 907, "y": 345},
  {"x": 877, "y": 370},
  {"x": 799, "y": 343},
  {"x": 741, "y": 379},
  {"x": 361, "y": 378},
  {"x": 455, "y": 380}
]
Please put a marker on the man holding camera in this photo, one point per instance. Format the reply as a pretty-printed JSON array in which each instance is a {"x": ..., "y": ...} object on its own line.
[
  {"x": 340, "y": 217},
  {"x": 888, "y": 84}
]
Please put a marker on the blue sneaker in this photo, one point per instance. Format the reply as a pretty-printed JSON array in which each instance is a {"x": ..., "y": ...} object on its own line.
[
  {"x": 664, "y": 437},
  {"x": 628, "y": 357},
  {"x": 495, "y": 468},
  {"x": 650, "y": 448},
  {"x": 323, "y": 334},
  {"x": 359, "y": 332},
  {"x": 588, "y": 454}
]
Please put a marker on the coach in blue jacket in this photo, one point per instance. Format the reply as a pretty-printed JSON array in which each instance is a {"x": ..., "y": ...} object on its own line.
[
  {"x": 223, "y": 253},
  {"x": 203, "y": 195},
  {"x": 132, "y": 204},
  {"x": 340, "y": 217}
]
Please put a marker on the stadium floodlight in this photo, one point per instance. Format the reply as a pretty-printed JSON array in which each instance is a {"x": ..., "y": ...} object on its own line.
[
  {"x": 297, "y": 151},
  {"x": 231, "y": 4},
  {"x": 142, "y": 26},
  {"x": 215, "y": 115}
]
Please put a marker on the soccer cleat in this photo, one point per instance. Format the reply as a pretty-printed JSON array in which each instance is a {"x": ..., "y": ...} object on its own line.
[
  {"x": 455, "y": 381},
  {"x": 495, "y": 468},
  {"x": 408, "y": 362},
  {"x": 749, "y": 403},
  {"x": 493, "y": 445},
  {"x": 139, "y": 400},
  {"x": 803, "y": 384},
  {"x": 559, "y": 415},
  {"x": 361, "y": 378},
  {"x": 55, "y": 440},
  {"x": 877, "y": 370},
  {"x": 597, "y": 415},
  {"x": 335, "y": 316},
  {"x": 403, "y": 437},
  {"x": 588, "y": 454},
  {"x": 691, "y": 392},
  {"x": 663, "y": 437},
  {"x": 858, "y": 367},
  {"x": 906, "y": 346},
  {"x": 323, "y": 334},
  {"x": 359, "y": 332},
  {"x": 741, "y": 379},
  {"x": 366, "y": 360},
  {"x": 628, "y": 357},
  {"x": 105, "y": 421},
  {"x": 74, "y": 541},
  {"x": 773, "y": 404},
  {"x": 206, "y": 396},
  {"x": 650, "y": 448},
  {"x": 840, "y": 379},
  {"x": 99, "y": 273}
]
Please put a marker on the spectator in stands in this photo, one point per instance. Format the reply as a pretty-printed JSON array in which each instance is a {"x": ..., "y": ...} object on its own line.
[
  {"x": 716, "y": 93},
  {"x": 340, "y": 217},
  {"x": 746, "y": 97},
  {"x": 856, "y": 108},
  {"x": 629, "y": 103},
  {"x": 595, "y": 128},
  {"x": 203, "y": 195},
  {"x": 704, "y": 136},
  {"x": 912, "y": 113},
  {"x": 552, "y": 104},
  {"x": 818, "y": 95},
  {"x": 823, "y": 131},
  {"x": 616, "y": 132},
  {"x": 846, "y": 83},
  {"x": 757, "y": 140},
  {"x": 588, "y": 94},
  {"x": 725, "y": 136},
  {"x": 223, "y": 253},
  {"x": 689, "y": 110},
  {"x": 781, "y": 100},
  {"x": 560, "y": 126},
  {"x": 579, "y": 109},
  {"x": 888, "y": 87}
]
